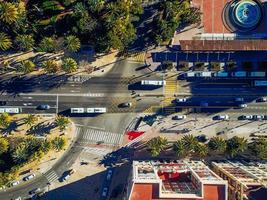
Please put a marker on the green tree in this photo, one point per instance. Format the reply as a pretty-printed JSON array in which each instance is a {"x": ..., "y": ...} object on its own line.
[
  {"x": 8, "y": 12},
  {"x": 62, "y": 122},
  {"x": 5, "y": 41},
  {"x": 50, "y": 66},
  {"x": 200, "y": 150},
  {"x": 59, "y": 143},
  {"x": 48, "y": 44},
  {"x": 217, "y": 145},
  {"x": 20, "y": 154},
  {"x": 156, "y": 145},
  {"x": 69, "y": 65},
  {"x": 26, "y": 66},
  {"x": 72, "y": 43},
  {"x": 46, "y": 146},
  {"x": 30, "y": 120},
  {"x": 4, "y": 144},
  {"x": 236, "y": 145},
  {"x": 259, "y": 148},
  {"x": 24, "y": 42},
  {"x": 5, "y": 120},
  {"x": 189, "y": 142},
  {"x": 179, "y": 149}
]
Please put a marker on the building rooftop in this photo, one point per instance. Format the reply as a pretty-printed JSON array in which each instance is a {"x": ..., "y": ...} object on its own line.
[{"x": 176, "y": 179}]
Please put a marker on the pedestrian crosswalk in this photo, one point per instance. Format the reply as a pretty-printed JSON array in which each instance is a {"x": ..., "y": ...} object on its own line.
[
  {"x": 51, "y": 176},
  {"x": 96, "y": 151},
  {"x": 94, "y": 136},
  {"x": 170, "y": 87},
  {"x": 137, "y": 57}
]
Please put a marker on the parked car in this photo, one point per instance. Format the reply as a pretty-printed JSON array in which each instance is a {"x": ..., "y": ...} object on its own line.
[
  {"x": 222, "y": 117},
  {"x": 179, "y": 117},
  {"x": 180, "y": 100},
  {"x": 18, "y": 198},
  {"x": 202, "y": 138},
  {"x": 242, "y": 105},
  {"x": 109, "y": 174},
  {"x": 262, "y": 99},
  {"x": 66, "y": 175},
  {"x": 105, "y": 192},
  {"x": 258, "y": 117},
  {"x": 14, "y": 183},
  {"x": 29, "y": 177},
  {"x": 2, "y": 103},
  {"x": 34, "y": 191},
  {"x": 247, "y": 117},
  {"x": 43, "y": 107},
  {"x": 239, "y": 99}
]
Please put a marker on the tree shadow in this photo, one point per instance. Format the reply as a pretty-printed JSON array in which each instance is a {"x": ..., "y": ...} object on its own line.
[
  {"x": 41, "y": 129},
  {"x": 11, "y": 128}
]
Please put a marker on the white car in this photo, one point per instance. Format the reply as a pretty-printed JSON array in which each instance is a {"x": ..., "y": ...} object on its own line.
[
  {"x": 247, "y": 117},
  {"x": 258, "y": 117},
  {"x": 242, "y": 105},
  {"x": 105, "y": 192},
  {"x": 18, "y": 198},
  {"x": 66, "y": 177},
  {"x": 109, "y": 174},
  {"x": 223, "y": 117},
  {"x": 31, "y": 176},
  {"x": 262, "y": 99},
  {"x": 180, "y": 100},
  {"x": 179, "y": 117},
  {"x": 14, "y": 183}
]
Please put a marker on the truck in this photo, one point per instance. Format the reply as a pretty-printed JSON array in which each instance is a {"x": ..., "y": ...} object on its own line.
[{"x": 153, "y": 82}]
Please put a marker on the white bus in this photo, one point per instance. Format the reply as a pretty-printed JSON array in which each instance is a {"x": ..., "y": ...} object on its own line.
[
  {"x": 77, "y": 110},
  {"x": 10, "y": 110},
  {"x": 258, "y": 83},
  {"x": 153, "y": 82},
  {"x": 96, "y": 110}
]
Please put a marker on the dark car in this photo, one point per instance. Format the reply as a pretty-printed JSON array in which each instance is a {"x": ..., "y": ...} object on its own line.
[
  {"x": 43, "y": 107},
  {"x": 2, "y": 103},
  {"x": 34, "y": 191}
]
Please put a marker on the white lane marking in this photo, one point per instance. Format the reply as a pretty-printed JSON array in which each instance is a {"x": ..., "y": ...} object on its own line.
[{"x": 65, "y": 94}]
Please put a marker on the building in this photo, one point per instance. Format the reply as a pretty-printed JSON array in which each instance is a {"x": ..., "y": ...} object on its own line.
[
  {"x": 179, "y": 180},
  {"x": 246, "y": 180}
]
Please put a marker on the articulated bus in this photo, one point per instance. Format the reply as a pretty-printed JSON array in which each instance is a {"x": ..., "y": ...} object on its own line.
[{"x": 10, "y": 110}]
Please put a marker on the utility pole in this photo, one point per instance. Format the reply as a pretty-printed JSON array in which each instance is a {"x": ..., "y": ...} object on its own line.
[{"x": 57, "y": 105}]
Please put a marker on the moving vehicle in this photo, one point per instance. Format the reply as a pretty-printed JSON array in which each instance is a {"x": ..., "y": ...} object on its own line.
[
  {"x": 179, "y": 117},
  {"x": 239, "y": 99},
  {"x": 153, "y": 82},
  {"x": 77, "y": 110},
  {"x": 29, "y": 177},
  {"x": 242, "y": 105},
  {"x": 43, "y": 107},
  {"x": 259, "y": 83},
  {"x": 105, "y": 192},
  {"x": 223, "y": 117},
  {"x": 96, "y": 110},
  {"x": 109, "y": 174},
  {"x": 2, "y": 103},
  {"x": 10, "y": 110},
  {"x": 34, "y": 191},
  {"x": 66, "y": 175},
  {"x": 125, "y": 105}
]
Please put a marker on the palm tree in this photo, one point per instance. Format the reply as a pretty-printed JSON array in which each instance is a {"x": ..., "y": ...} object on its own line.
[
  {"x": 156, "y": 145},
  {"x": 179, "y": 148},
  {"x": 24, "y": 42},
  {"x": 5, "y": 41},
  {"x": 69, "y": 65},
  {"x": 59, "y": 143},
  {"x": 5, "y": 120},
  {"x": 4, "y": 144},
  {"x": 201, "y": 150},
  {"x": 62, "y": 122},
  {"x": 236, "y": 145},
  {"x": 30, "y": 120},
  {"x": 48, "y": 44},
  {"x": 8, "y": 12},
  {"x": 217, "y": 145},
  {"x": 26, "y": 66},
  {"x": 72, "y": 43},
  {"x": 189, "y": 142},
  {"x": 50, "y": 66},
  {"x": 259, "y": 148}
]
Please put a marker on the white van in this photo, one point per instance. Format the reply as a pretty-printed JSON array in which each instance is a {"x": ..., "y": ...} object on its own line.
[{"x": 77, "y": 110}]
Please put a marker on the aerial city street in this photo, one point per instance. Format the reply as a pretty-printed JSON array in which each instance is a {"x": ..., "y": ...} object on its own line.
[{"x": 133, "y": 99}]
